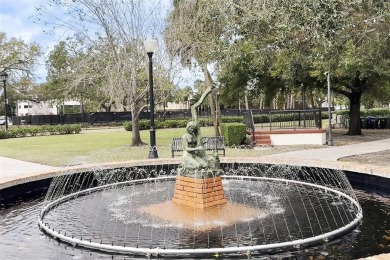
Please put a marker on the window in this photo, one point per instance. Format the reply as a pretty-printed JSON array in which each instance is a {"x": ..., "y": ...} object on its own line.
[{"x": 25, "y": 106}]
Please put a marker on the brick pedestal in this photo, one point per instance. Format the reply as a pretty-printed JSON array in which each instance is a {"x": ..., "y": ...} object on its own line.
[{"x": 199, "y": 193}]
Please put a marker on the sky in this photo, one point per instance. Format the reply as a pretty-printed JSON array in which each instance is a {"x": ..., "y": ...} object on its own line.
[{"x": 17, "y": 20}]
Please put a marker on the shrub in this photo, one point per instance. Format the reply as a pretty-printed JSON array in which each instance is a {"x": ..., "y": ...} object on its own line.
[
  {"x": 76, "y": 128},
  {"x": 40, "y": 130},
  {"x": 232, "y": 119},
  {"x": 3, "y": 134},
  {"x": 128, "y": 125},
  {"x": 258, "y": 119},
  {"x": 33, "y": 130},
  {"x": 233, "y": 133},
  {"x": 144, "y": 124},
  {"x": 173, "y": 123}
]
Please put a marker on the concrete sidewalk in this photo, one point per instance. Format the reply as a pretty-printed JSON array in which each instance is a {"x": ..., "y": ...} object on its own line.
[
  {"x": 333, "y": 153},
  {"x": 11, "y": 167}
]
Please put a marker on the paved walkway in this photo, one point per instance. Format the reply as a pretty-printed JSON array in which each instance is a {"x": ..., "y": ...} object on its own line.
[
  {"x": 12, "y": 168},
  {"x": 333, "y": 153}
]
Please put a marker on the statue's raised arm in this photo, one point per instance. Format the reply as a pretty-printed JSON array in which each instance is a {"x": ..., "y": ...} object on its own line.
[{"x": 194, "y": 107}]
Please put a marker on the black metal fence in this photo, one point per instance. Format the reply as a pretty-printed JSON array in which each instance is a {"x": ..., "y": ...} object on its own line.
[
  {"x": 107, "y": 117},
  {"x": 295, "y": 119}
]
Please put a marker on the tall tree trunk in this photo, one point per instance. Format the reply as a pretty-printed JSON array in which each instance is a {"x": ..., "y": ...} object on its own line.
[
  {"x": 136, "y": 136},
  {"x": 135, "y": 133},
  {"x": 212, "y": 101},
  {"x": 354, "y": 113},
  {"x": 316, "y": 116}
]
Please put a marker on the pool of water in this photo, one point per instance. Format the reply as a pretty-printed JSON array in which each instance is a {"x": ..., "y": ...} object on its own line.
[{"x": 22, "y": 239}]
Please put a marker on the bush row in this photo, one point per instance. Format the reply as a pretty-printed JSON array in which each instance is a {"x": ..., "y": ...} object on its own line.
[
  {"x": 175, "y": 123},
  {"x": 233, "y": 133},
  {"x": 40, "y": 130},
  {"x": 379, "y": 112},
  {"x": 374, "y": 112},
  {"x": 144, "y": 124}
]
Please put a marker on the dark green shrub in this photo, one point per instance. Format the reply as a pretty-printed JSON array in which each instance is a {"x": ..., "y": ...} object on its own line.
[
  {"x": 3, "y": 134},
  {"x": 258, "y": 119},
  {"x": 233, "y": 133},
  {"x": 33, "y": 130},
  {"x": 205, "y": 121},
  {"x": 232, "y": 119},
  {"x": 76, "y": 128},
  {"x": 12, "y": 133},
  {"x": 144, "y": 124},
  {"x": 128, "y": 125},
  {"x": 176, "y": 123},
  {"x": 169, "y": 124}
]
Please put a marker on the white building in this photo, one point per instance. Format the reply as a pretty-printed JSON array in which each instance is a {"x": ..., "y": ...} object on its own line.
[{"x": 25, "y": 108}]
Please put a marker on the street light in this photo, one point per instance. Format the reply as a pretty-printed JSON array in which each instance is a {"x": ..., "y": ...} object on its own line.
[
  {"x": 4, "y": 77},
  {"x": 150, "y": 47},
  {"x": 330, "y": 140}
]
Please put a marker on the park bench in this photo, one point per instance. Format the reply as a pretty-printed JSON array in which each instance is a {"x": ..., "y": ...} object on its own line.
[{"x": 215, "y": 143}]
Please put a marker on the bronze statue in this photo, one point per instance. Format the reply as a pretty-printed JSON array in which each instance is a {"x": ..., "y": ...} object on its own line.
[{"x": 195, "y": 162}]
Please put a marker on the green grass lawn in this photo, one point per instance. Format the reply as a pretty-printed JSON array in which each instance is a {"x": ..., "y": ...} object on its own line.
[
  {"x": 91, "y": 146},
  {"x": 108, "y": 145}
]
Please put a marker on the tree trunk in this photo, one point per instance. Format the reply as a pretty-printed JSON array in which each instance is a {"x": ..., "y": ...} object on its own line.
[
  {"x": 135, "y": 133},
  {"x": 136, "y": 136},
  {"x": 317, "y": 116},
  {"x": 354, "y": 113},
  {"x": 212, "y": 101}
]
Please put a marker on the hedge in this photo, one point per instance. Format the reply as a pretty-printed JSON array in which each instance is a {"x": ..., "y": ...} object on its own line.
[
  {"x": 25, "y": 131},
  {"x": 144, "y": 124},
  {"x": 233, "y": 133},
  {"x": 374, "y": 112}
]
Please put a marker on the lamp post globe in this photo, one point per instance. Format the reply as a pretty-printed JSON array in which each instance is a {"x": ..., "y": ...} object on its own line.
[
  {"x": 150, "y": 47},
  {"x": 4, "y": 76}
]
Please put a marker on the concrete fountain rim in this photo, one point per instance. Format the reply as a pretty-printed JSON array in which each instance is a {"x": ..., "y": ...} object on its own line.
[
  {"x": 375, "y": 170},
  {"x": 171, "y": 251}
]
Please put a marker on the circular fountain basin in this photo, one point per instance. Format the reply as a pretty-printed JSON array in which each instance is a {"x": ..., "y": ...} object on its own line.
[
  {"x": 22, "y": 239},
  {"x": 129, "y": 210}
]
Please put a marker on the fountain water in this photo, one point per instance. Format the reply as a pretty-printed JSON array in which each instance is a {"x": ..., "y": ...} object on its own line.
[
  {"x": 288, "y": 206},
  {"x": 239, "y": 207}
]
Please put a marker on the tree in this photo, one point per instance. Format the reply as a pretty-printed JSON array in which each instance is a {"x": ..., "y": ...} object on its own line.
[
  {"x": 18, "y": 60},
  {"x": 193, "y": 34},
  {"x": 110, "y": 35},
  {"x": 308, "y": 38}
]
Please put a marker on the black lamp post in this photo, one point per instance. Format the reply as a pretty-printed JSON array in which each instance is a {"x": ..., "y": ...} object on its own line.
[
  {"x": 150, "y": 47},
  {"x": 4, "y": 77},
  {"x": 330, "y": 140}
]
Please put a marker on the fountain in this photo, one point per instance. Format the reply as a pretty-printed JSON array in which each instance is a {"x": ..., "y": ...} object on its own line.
[{"x": 201, "y": 206}]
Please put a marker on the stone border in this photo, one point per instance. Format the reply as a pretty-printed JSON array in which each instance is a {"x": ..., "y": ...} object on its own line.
[
  {"x": 375, "y": 170},
  {"x": 368, "y": 169}
]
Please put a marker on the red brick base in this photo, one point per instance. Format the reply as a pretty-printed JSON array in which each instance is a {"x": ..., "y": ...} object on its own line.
[{"x": 199, "y": 193}]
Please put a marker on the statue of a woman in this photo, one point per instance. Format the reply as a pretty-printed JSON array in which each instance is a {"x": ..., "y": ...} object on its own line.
[{"x": 194, "y": 155}]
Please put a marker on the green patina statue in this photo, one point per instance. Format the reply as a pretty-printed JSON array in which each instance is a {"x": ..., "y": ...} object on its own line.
[{"x": 195, "y": 163}]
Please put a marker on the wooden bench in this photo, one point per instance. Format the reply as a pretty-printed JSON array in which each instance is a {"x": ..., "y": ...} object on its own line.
[{"x": 215, "y": 143}]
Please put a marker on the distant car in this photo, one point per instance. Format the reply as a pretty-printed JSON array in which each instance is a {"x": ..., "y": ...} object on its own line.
[{"x": 2, "y": 120}]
